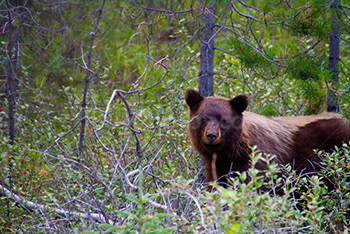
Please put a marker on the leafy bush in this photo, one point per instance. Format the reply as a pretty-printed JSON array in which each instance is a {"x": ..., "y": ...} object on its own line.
[{"x": 243, "y": 208}]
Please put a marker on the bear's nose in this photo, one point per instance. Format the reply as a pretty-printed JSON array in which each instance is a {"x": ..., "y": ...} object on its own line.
[{"x": 211, "y": 136}]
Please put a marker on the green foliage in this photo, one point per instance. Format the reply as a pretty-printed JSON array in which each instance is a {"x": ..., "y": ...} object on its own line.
[
  {"x": 336, "y": 170},
  {"x": 310, "y": 20},
  {"x": 139, "y": 220},
  {"x": 306, "y": 68},
  {"x": 243, "y": 209},
  {"x": 247, "y": 210}
]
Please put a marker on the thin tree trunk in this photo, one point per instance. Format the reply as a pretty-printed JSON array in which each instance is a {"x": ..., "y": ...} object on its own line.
[
  {"x": 12, "y": 53},
  {"x": 206, "y": 70},
  {"x": 332, "y": 102},
  {"x": 12, "y": 83},
  {"x": 87, "y": 81}
]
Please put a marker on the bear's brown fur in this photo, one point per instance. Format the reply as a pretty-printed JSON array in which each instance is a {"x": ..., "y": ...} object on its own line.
[{"x": 222, "y": 128}]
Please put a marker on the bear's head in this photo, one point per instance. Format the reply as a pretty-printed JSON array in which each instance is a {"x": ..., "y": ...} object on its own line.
[{"x": 215, "y": 122}]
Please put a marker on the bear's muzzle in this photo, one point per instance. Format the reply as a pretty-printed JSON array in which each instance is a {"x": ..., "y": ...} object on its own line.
[{"x": 212, "y": 133}]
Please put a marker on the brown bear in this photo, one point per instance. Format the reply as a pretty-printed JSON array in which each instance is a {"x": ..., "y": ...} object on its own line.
[{"x": 223, "y": 133}]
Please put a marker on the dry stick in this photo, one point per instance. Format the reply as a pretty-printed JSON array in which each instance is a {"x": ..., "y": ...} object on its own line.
[
  {"x": 87, "y": 80},
  {"x": 96, "y": 217},
  {"x": 213, "y": 167},
  {"x": 67, "y": 213}
]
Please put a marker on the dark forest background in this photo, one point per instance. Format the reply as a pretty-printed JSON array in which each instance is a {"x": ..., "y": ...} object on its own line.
[{"x": 93, "y": 118}]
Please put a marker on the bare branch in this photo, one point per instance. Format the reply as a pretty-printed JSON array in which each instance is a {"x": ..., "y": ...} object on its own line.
[
  {"x": 241, "y": 14},
  {"x": 66, "y": 213}
]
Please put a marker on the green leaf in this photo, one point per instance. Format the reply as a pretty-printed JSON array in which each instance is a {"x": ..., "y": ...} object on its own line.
[{"x": 132, "y": 198}]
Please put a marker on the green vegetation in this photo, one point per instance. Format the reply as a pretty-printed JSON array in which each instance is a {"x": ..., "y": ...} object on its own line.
[{"x": 138, "y": 172}]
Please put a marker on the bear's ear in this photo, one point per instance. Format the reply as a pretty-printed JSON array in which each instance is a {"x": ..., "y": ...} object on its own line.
[
  {"x": 239, "y": 102},
  {"x": 193, "y": 98}
]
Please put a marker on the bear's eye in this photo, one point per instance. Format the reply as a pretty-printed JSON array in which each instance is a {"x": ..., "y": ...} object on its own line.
[
  {"x": 238, "y": 122},
  {"x": 223, "y": 121},
  {"x": 205, "y": 120}
]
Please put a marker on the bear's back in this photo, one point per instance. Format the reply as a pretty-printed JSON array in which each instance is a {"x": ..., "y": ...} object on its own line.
[{"x": 295, "y": 137}]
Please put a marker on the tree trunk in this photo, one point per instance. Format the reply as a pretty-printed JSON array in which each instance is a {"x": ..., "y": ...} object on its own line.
[
  {"x": 12, "y": 82},
  {"x": 12, "y": 54},
  {"x": 332, "y": 102},
  {"x": 206, "y": 69}
]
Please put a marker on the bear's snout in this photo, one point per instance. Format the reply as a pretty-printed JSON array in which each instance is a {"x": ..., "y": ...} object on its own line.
[
  {"x": 212, "y": 133},
  {"x": 211, "y": 136}
]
